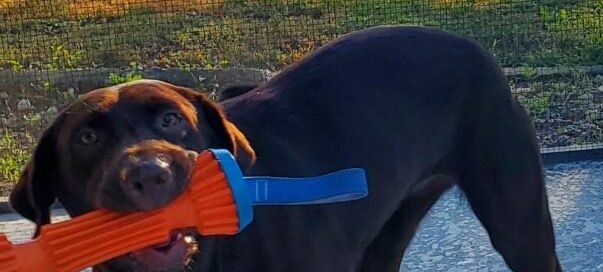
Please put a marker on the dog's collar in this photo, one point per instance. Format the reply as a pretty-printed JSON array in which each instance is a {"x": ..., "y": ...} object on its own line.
[{"x": 345, "y": 185}]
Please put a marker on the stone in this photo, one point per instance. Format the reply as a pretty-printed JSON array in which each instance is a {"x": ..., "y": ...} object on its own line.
[
  {"x": 11, "y": 122},
  {"x": 24, "y": 105},
  {"x": 35, "y": 118},
  {"x": 523, "y": 90},
  {"x": 52, "y": 110}
]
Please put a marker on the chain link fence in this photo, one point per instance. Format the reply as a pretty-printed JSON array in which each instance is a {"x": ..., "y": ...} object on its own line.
[{"x": 52, "y": 50}]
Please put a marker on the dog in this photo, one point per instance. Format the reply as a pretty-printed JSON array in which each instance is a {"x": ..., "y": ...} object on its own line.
[{"x": 420, "y": 110}]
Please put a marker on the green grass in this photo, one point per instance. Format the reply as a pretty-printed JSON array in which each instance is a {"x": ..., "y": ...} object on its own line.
[
  {"x": 129, "y": 76},
  {"x": 12, "y": 158},
  {"x": 273, "y": 33},
  {"x": 538, "y": 105}
]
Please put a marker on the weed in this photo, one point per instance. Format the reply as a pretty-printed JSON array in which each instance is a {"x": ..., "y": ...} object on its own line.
[
  {"x": 64, "y": 58},
  {"x": 293, "y": 54},
  {"x": 212, "y": 63},
  {"x": 217, "y": 64},
  {"x": 44, "y": 87},
  {"x": 12, "y": 158},
  {"x": 33, "y": 119},
  {"x": 538, "y": 105},
  {"x": 528, "y": 73},
  {"x": 65, "y": 97},
  {"x": 115, "y": 79},
  {"x": 15, "y": 65},
  {"x": 131, "y": 75}
]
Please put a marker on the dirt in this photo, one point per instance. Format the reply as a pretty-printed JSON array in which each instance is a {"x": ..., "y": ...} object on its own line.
[{"x": 565, "y": 111}]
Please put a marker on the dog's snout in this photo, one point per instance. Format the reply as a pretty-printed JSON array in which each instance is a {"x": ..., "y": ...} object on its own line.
[
  {"x": 148, "y": 182},
  {"x": 147, "y": 176}
]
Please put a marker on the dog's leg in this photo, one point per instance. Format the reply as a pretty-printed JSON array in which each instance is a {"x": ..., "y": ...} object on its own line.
[
  {"x": 386, "y": 251},
  {"x": 503, "y": 181}
]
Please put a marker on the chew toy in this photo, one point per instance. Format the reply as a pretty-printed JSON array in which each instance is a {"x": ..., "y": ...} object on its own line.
[{"x": 218, "y": 202}]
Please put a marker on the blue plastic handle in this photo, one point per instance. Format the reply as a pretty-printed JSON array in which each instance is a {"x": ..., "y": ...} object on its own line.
[{"x": 345, "y": 185}]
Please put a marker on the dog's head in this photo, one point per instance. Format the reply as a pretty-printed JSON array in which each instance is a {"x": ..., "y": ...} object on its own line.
[{"x": 125, "y": 148}]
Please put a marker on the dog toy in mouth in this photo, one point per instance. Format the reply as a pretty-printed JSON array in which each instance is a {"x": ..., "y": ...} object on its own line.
[{"x": 218, "y": 201}]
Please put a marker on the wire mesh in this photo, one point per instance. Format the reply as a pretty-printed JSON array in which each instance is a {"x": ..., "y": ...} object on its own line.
[{"x": 52, "y": 50}]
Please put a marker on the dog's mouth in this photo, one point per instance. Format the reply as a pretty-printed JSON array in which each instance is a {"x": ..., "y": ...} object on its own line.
[{"x": 173, "y": 255}]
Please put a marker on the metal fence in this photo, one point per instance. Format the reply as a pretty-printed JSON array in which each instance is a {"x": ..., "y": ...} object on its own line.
[{"x": 552, "y": 49}]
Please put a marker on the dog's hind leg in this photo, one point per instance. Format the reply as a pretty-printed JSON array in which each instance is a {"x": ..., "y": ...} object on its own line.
[
  {"x": 385, "y": 252},
  {"x": 503, "y": 181}
]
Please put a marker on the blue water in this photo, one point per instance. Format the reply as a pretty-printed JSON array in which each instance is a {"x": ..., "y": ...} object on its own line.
[{"x": 451, "y": 238}]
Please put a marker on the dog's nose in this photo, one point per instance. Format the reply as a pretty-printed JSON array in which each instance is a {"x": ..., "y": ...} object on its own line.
[{"x": 148, "y": 182}]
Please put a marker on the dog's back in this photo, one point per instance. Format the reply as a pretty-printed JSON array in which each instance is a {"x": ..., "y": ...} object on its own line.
[{"x": 421, "y": 110}]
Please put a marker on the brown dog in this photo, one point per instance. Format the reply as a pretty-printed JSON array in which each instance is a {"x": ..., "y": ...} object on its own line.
[{"x": 420, "y": 110}]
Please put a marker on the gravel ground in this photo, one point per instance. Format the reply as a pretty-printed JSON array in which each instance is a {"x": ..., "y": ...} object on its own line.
[{"x": 451, "y": 239}]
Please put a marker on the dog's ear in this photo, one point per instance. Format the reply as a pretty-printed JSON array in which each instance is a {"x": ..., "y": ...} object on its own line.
[
  {"x": 224, "y": 133},
  {"x": 233, "y": 91},
  {"x": 227, "y": 134},
  {"x": 35, "y": 191}
]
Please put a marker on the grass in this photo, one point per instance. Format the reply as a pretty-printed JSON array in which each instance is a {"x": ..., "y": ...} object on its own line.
[
  {"x": 186, "y": 34},
  {"x": 131, "y": 75},
  {"x": 82, "y": 9},
  {"x": 563, "y": 108},
  {"x": 12, "y": 158},
  {"x": 273, "y": 33}
]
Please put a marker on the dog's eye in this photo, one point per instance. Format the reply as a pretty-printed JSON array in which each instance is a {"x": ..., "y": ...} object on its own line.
[
  {"x": 88, "y": 137},
  {"x": 170, "y": 119}
]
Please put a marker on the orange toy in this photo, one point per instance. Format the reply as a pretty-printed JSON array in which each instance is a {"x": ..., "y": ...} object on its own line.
[
  {"x": 219, "y": 201},
  {"x": 215, "y": 204}
]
